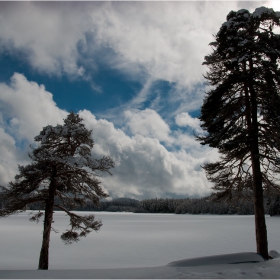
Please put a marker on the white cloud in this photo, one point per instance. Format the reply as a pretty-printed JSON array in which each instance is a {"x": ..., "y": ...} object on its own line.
[
  {"x": 144, "y": 167},
  {"x": 46, "y": 33},
  {"x": 184, "y": 119},
  {"x": 166, "y": 40},
  {"x": 8, "y": 160},
  {"x": 147, "y": 123},
  {"x": 27, "y": 107},
  {"x": 149, "y": 42}
]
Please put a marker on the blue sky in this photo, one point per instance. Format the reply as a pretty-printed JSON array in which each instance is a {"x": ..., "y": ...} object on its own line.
[{"x": 133, "y": 71}]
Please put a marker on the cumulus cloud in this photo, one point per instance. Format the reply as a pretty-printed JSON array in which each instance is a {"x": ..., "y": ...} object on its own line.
[
  {"x": 148, "y": 42},
  {"x": 36, "y": 29},
  {"x": 184, "y": 119},
  {"x": 26, "y": 107},
  {"x": 147, "y": 123},
  {"x": 8, "y": 160},
  {"x": 166, "y": 40},
  {"x": 144, "y": 167}
]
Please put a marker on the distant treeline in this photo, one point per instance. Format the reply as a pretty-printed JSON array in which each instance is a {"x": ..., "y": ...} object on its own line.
[
  {"x": 115, "y": 205},
  {"x": 206, "y": 206},
  {"x": 195, "y": 206},
  {"x": 179, "y": 206}
]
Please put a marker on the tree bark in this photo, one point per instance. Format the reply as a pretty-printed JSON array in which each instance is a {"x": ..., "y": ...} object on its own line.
[
  {"x": 44, "y": 254},
  {"x": 260, "y": 226}
]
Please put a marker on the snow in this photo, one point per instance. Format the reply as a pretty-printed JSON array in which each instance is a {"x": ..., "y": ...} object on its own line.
[
  {"x": 242, "y": 11},
  {"x": 227, "y": 24},
  {"x": 243, "y": 43},
  {"x": 244, "y": 57},
  {"x": 142, "y": 246},
  {"x": 230, "y": 266},
  {"x": 220, "y": 259},
  {"x": 261, "y": 10}
]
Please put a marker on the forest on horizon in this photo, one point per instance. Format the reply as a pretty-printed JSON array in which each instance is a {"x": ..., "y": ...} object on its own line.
[{"x": 204, "y": 205}]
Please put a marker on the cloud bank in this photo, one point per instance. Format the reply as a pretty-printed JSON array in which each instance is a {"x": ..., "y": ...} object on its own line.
[{"x": 144, "y": 166}]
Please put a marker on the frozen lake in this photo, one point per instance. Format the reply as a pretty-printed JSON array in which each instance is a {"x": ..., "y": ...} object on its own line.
[{"x": 131, "y": 240}]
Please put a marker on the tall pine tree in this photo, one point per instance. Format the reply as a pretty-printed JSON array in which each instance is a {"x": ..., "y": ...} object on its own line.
[
  {"x": 62, "y": 175},
  {"x": 241, "y": 111}
]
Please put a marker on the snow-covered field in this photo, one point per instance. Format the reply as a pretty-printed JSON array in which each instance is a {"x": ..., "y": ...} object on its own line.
[{"x": 129, "y": 240}]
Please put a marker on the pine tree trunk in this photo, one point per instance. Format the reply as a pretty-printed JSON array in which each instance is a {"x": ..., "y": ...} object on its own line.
[
  {"x": 44, "y": 254},
  {"x": 260, "y": 226}
]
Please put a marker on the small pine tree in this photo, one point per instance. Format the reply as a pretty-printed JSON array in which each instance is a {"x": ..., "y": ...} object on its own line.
[{"x": 62, "y": 175}]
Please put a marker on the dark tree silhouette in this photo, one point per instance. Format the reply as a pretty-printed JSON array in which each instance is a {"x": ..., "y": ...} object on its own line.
[
  {"x": 241, "y": 111},
  {"x": 62, "y": 175}
]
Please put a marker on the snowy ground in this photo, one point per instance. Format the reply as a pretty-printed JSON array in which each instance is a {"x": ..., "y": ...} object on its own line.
[
  {"x": 235, "y": 266},
  {"x": 140, "y": 246}
]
